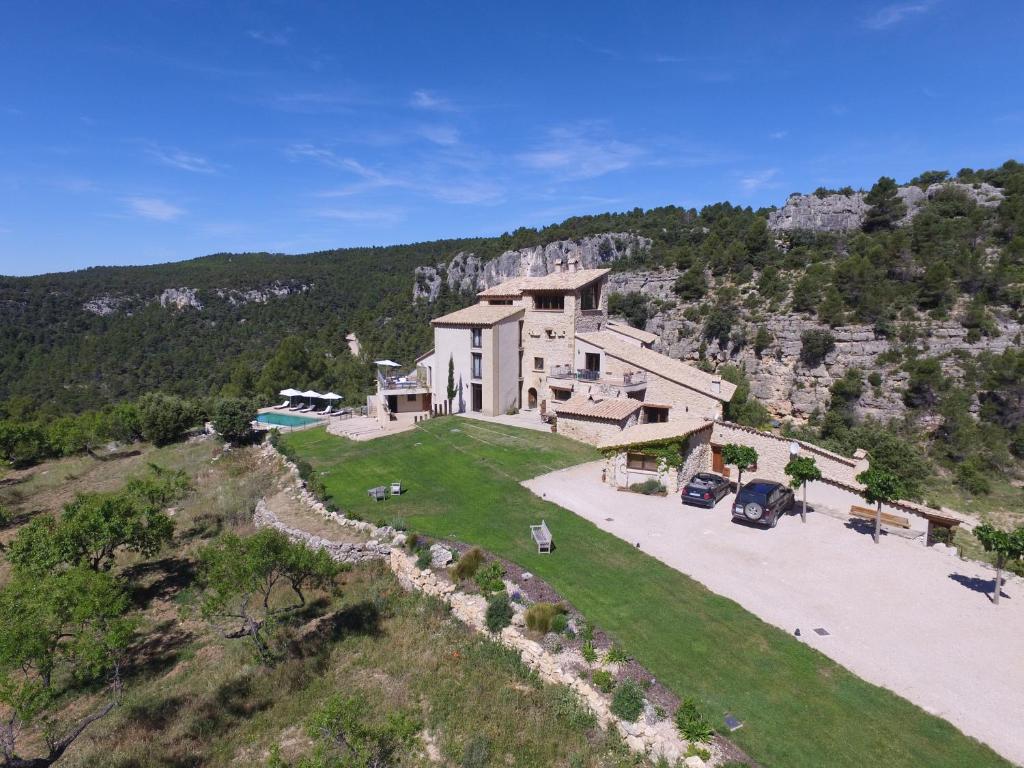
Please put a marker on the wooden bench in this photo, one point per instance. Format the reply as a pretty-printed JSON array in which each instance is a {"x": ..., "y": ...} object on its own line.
[
  {"x": 896, "y": 521},
  {"x": 542, "y": 536}
]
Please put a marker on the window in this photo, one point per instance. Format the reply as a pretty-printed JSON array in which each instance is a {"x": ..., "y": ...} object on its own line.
[
  {"x": 538, "y": 363},
  {"x": 561, "y": 395},
  {"x": 590, "y": 297},
  {"x": 592, "y": 361},
  {"x": 478, "y": 366},
  {"x": 642, "y": 462},
  {"x": 654, "y": 414},
  {"x": 554, "y": 302},
  {"x": 476, "y": 337},
  {"x": 410, "y": 398}
]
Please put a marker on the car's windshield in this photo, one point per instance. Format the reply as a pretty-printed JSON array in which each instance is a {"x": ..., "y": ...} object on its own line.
[{"x": 748, "y": 496}]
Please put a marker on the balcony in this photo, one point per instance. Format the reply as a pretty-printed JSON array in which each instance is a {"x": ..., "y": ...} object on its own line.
[
  {"x": 629, "y": 381},
  {"x": 403, "y": 385}
]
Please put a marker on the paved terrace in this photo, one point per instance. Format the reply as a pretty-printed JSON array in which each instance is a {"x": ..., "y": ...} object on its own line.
[{"x": 898, "y": 614}]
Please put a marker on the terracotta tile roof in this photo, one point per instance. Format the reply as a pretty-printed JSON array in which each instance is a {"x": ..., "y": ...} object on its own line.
[
  {"x": 479, "y": 314},
  {"x": 612, "y": 409},
  {"x": 556, "y": 281},
  {"x": 649, "y": 433},
  {"x": 645, "y": 337},
  {"x": 661, "y": 365}
]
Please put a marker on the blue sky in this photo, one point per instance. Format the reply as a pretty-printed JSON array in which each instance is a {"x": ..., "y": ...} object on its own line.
[{"x": 142, "y": 132}]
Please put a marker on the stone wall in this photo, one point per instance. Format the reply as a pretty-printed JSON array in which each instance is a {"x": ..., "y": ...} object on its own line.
[
  {"x": 591, "y": 431},
  {"x": 347, "y": 552}
]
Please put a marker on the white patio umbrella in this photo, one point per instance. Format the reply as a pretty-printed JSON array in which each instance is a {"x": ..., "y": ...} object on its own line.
[
  {"x": 290, "y": 393},
  {"x": 331, "y": 396},
  {"x": 312, "y": 394},
  {"x": 387, "y": 363}
]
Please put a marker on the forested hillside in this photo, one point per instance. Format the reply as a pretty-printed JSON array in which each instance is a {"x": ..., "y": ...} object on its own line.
[{"x": 900, "y": 303}]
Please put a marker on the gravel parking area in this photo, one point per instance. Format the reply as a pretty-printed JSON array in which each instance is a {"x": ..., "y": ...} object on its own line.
[{"x": 898, "y": 614}]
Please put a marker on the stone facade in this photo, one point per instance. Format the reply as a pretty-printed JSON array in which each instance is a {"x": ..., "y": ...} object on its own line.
[{"x": 592, "y": 431}]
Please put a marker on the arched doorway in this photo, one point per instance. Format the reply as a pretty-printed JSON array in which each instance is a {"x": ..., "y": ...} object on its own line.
[{"x": 531, "y": 398}]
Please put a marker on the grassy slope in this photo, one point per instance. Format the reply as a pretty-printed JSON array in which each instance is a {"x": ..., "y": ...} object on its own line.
[
  {"x": 193, "y": 698},
  {"x": 800, "y": 708}
]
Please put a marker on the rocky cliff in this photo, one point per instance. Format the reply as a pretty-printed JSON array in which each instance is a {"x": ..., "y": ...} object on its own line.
[
  {"x": 468, "y": 273},
  {"x": 787, "y": 387},
  {"x": 840, "y": 213}
]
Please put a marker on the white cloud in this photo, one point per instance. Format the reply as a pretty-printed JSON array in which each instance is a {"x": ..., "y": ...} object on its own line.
[
  {"x": 278, "y": 38},
  {"x": 573, "y": 153},
  {"x": 185, "y": 161},
  {"x": 759, "y": 180},
  {"x": 361, "y": 216},
  {"x": 892, "y": 15},
  {"x": 445, "y": 135},
  {"x": 778, "y": 135},
  {"x": 153, "y": 208},
  {"x": 426, "y": 100}
]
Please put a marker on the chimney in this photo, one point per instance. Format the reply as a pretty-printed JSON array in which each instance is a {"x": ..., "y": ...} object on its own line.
[
  {"x": 574, "y": 264},
  {"x": 558, "y": 266}
]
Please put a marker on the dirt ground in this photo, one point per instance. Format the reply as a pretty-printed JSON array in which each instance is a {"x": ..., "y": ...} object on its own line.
[{"x": 898, "y": 614}]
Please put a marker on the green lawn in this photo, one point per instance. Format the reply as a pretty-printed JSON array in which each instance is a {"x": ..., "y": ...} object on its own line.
[{"x": 800, "y": 708}]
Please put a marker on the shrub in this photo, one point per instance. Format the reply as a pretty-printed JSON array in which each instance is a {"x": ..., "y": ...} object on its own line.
[
  {"x": 615, "y": 655},
  {"x": 540, "y": 616},
  {"x": 232, "y": 418},
  {"x": 412, "y": 542},
  {"x": 468, "y": 564},
  {"x": 648, "y": 487},
  {"x": 814, "y": 346},
  {"x": 972, "y": 477},
  {"x": 164, "y": 418},
  {"x": 602, "y": 680},
  {"x": 628, "y": 701},
  {"x": 399, "y": 524},
  {"x": 589, "y": 654},
  {"x": 490, "y": 578},
  {"x": 691, "y": 723},
  {"x": 560, "y": 623},
  {"x": 499, "y": 612},
  {"x": 875, "y": 379},
  {"x": 423, "y": 558}
]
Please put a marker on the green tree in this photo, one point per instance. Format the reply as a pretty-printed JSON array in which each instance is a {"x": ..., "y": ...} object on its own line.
[
  {"x": 815, "y": 345},
  {"x": 632, "y": 306},
  {"x": 232, "y": 418},
  {"x": 22, "y": 444},
  {"x": 880, "y": 487},
  {"x": 345, "y": 736},
  {"x": 762, "y": 340},
  {"x": 886, "y": 206},
  {"x": 743, "y": 457},
  {"x": 499, "y": 611},
  {"x": 164, "y": 418},
  {"x": 64, "y": 626},
  {"x": 802, "y": 470},
  {"x": 691, "y": 285},
  {"x": 451, "y": 391},
  {"x": 246, "y": 582},
  {"x": 95, "y": 526},
  {"x": 1007, "y": 546}
]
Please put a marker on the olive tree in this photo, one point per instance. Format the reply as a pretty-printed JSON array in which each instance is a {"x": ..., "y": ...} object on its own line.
[
  {"x": 250, "y": 583},
  {"x": 802, "y": 470},
  {"x": 232, "y": 418},
  {"x": 1007, "y": 546},
  {"x": 57, "y": 631},
  {"x": 743, "y": 457},
  {"x": 880, "y": 487}
]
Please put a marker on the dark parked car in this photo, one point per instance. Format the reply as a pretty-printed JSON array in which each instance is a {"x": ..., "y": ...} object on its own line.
[
  {"x": 762, "y": 502},
  {"x": 705, "y": 489}
]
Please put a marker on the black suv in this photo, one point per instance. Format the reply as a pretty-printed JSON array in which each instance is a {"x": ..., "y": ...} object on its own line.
[
  {"x": 762, "y": 502},
  {"x": 705, "y": 489}
]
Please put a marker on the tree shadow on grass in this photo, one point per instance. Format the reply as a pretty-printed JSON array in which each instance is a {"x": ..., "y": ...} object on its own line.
[
  {"x": 155, "y": 715},
  {"x": 234, "y": 701},
  {"x": 984, "y": 586},
  {"x": 362, "y": 618},
  {"x": 157, "y": 653},
  {"x": 159, "y": 579}
]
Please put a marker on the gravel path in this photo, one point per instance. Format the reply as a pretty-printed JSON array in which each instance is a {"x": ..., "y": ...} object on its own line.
[{"x": 898, "y": 614}]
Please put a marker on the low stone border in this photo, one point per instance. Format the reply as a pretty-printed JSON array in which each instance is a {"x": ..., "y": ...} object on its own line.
[{"x": 652, "y": 736}]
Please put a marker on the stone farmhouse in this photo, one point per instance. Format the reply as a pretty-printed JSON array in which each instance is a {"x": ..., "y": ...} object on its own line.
[{"x": 546, "y": 345}]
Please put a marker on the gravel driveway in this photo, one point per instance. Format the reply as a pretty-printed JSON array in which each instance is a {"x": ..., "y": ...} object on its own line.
[{"x": 898, "y": 614}]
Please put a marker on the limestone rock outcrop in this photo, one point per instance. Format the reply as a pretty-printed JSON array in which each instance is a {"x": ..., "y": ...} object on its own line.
[{"x": 468, "y": 273}]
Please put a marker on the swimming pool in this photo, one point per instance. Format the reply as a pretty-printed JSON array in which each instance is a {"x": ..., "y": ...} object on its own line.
[{"x": 285, "y": 420}]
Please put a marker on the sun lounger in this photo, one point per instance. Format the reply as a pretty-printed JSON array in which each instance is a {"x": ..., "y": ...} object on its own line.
[
  {"x": 326, "y": 411},
  {"x": 296, "y": 407},
  {"x": 396, "y": 488},
  {"x": 282, "y": 405}
]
